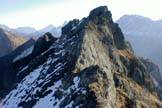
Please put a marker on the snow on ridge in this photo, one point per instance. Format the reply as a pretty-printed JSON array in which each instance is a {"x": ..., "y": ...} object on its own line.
[
  {"x": 21, "y": 90},
  {"x": 27, "y": 85},
  {"x": 51, "y": 101},
  {"x": 48, "y": 100},
  {"x": 30, "y": 82}
]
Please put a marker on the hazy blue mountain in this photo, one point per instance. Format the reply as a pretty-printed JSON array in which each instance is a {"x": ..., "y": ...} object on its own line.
[
  {"x": 145, "y": 36},
  {"x": 25, "y": 30},
  {"x": 55, "y": 31}
]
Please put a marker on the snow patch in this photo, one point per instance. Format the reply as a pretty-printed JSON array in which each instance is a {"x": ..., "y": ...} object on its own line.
[
  {"x": 18, "y": 95},
  {"x": 48, "y": 101}
]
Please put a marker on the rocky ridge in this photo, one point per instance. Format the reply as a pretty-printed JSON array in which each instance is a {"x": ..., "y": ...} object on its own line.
[{"x": 89, "y": 66}]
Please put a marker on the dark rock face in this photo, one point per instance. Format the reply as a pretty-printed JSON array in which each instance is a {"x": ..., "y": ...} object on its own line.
[
  {"x": 7, "y": 74},
  {"x": 89, "y": 66},
  {"x": 43, "y": 43},
  {"x": 67, "y": 29}
]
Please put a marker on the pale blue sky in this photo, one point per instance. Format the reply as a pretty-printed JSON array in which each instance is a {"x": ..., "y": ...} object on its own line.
[
  {"x": 40, "y": 13},
  {"x": 10, "y": 6}
]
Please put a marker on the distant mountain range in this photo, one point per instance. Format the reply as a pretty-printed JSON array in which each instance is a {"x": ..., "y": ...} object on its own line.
[
  {"x": 12, "y": 38},
  {"x": 24, "y": 30},
  {"x": 145, "y": 36},
  {"x": 55, "y": 31},
  {"x": 32, "y": 32}
]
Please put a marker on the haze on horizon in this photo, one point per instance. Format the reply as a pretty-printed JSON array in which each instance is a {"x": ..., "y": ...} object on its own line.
[{"x": 40, "y": 13}]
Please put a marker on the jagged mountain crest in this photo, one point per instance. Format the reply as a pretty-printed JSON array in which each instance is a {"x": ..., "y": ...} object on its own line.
[{"x": 89, "y": 66}]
